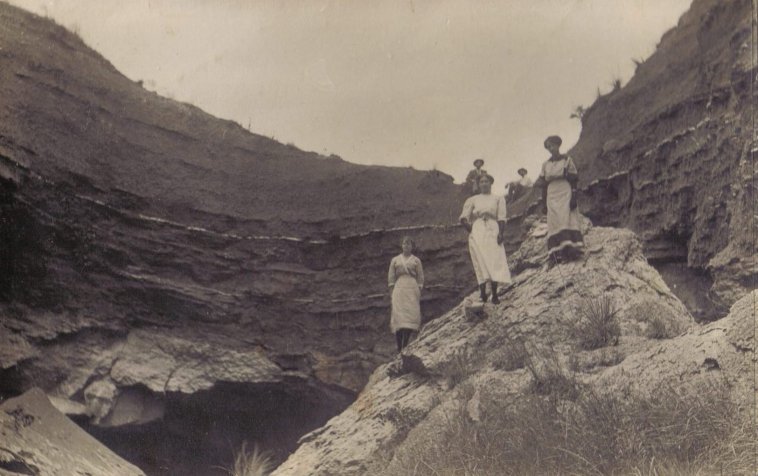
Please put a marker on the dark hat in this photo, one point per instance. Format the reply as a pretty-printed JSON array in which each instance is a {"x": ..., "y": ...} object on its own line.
[
  {"x": 522, "y": 170},
  {"x": 486, "y": 175},
  {"x": 553, "y": 140},
  {"x": 478, "y": 160}
]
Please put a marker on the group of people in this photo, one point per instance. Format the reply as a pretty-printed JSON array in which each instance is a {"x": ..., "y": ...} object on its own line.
[
  {"x": 513, "y": 190},
  {"x": 483, "y": 217}
]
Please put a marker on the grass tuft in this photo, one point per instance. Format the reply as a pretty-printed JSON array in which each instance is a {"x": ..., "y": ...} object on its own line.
[
  {"x": 550, "y": 377},
  {"x": 251, "y": 462},
  {"x": 598, "y": 324},
  {"x": 461, "y": 364},
  {"x": 657, "y": 329},
  {"x": 512, "y": 356}
]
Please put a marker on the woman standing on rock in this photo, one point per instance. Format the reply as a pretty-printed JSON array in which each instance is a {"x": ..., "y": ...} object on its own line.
[
  {"x": 483, "y": 217},
  {"x": 558, "y": 180},
  {"x": 406, "y": 279}
]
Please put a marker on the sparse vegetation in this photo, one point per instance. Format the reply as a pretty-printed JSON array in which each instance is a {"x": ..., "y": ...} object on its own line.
[
  {"x": 598, "y": 324},
  {"x": 461, "y": 365},
  {"x": 578, "y": 113},
  {"x": 616, "y": 84},
  {"x": 657, "y": 329},
  {"x": 75, "y": 29},
  {"x": 679, "y": 431},
  {"x": 605, "y": 357},
  {"x": 512, "y": 356},
  {"x": 251, "y": 462},
  {"x": 549, "y": 375}
]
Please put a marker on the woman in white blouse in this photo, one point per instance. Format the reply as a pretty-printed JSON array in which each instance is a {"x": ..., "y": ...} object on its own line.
[
  {"x": 406, "y": 279},
  {"x": 484, "y": 218}
]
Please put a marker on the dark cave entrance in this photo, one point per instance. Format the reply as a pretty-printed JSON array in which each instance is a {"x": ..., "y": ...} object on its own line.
[
  {"x": 200, "y": 433},
  {"x": 692, "y": 287}
]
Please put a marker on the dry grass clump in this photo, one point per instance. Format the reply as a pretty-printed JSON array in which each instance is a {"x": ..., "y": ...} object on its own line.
[
  {"x": 586, "y": 362},
  {"x": 598, "y": 324},
  {"x": 550, "y": 377},
  {"x": 512, "y": 356},
  {"x": 462, "y": 363},
  {"x": 251, "y": 462},
  {"x": 673, "y": 431},
  {"x": 657, "y": 329}
]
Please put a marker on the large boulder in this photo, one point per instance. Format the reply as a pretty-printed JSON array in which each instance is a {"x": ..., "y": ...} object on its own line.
[
  {"x": 542, "y": 309},
  {"x": 35, "y": 438}
]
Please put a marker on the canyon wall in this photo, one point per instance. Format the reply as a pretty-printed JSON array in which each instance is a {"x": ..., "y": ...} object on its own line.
[{"x": 671, "y": 154}]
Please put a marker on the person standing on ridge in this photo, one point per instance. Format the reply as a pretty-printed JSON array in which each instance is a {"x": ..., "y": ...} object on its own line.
[
  {"x": 558, "y": 180},
  {"x": 406, "y": 280},
  {"x": 483, "y": 217},
  {"x": 518, "y": 188},
  {"x": 472, "y": 179}
]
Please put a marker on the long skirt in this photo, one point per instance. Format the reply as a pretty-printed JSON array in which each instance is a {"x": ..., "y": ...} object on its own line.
[
  {"x": 487, "y": 256},
  {"x": 563, "y": 224},
  {"x": 406, "y": 304}
]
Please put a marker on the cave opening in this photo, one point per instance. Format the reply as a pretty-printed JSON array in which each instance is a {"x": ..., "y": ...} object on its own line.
[
  {"x": 691, "y": 286},
  {"x": 200, "y": 433}
]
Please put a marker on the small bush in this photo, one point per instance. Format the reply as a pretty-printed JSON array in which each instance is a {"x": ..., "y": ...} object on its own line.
[
  {"x": 549, "y": 377},
  {"x": 512, "y": 356},
  {"x": 579, "y": 112},
  {"x": 459, "y": 367},
  {"x": 251, "y": 463},
  {"x": 657, "y": 329},
  {"x": 598, "y": 325}
]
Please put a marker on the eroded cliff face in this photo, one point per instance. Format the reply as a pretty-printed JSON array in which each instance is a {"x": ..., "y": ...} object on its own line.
[
  {"x": 156, "y": 260},
  {"x": 671, "y": 154}
]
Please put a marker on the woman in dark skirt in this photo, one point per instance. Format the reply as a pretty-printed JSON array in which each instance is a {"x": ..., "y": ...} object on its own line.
[
  {"x": 406, "y": 279},
  {"x": 558, "y": 180}
]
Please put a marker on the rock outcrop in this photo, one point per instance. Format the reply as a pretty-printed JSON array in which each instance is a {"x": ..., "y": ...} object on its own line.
[
  {"x": 671, "y": 155},
  {"x": 542, "y": 308},
  {"x": 37, "y": 439}
]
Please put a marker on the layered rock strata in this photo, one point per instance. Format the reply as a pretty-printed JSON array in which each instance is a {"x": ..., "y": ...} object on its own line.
[
  {"x": 671, "y": 155},
  {"x": 151, "y": 254}
]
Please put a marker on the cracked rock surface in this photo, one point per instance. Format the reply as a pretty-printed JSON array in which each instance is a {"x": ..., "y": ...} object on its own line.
[{"x": 540, "y": 309}]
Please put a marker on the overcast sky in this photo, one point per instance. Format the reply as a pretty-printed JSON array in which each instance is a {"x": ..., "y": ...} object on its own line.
[{"x": 428, "y": 84}]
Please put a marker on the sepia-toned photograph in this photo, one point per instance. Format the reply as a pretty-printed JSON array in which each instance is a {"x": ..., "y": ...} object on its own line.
[{"x": 387, "y": 238}]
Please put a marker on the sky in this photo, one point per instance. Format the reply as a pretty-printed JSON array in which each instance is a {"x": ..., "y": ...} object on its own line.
[{"x": 431, "y": 84}]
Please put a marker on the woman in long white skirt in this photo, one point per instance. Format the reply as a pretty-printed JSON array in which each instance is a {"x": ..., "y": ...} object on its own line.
[
  {"x": 558, "y": 180},
  {"x": 483, "y": 217},
  {"x": 406, "y": 279}
]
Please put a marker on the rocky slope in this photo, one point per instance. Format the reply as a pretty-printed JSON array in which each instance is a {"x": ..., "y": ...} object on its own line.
[
  {"x": 671, "y": 155},
  {"x": 38, "y": 440},
  {"x": 399, "y": 408}
]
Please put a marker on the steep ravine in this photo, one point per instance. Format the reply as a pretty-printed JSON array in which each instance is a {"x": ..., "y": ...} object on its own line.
[
  {"x": 178, "y": 284},
  {"x": 155, "y": 259}
]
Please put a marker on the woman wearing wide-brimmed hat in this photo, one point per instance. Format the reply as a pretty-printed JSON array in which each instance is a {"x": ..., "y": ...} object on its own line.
[
  {"x": 558, "y": 180},
  {"x": 483, "y": 217},
  {"x": 472, "y": 179}
]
